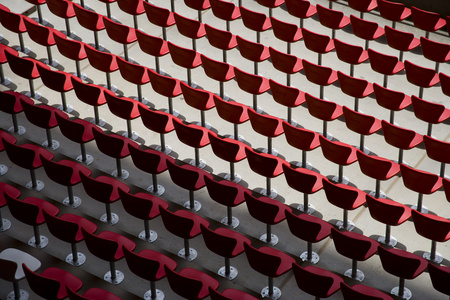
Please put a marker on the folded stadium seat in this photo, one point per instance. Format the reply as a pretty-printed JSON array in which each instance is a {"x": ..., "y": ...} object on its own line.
[
  {"x": 92, "y": 293},
  {"x": 363, "y": 6},
  {"x": 303, "y": 139},
  {"x": 43, "y": 36},
  {"x": 220, "y": 71},
  {"x": 252, "y": 51},
  {"x": 420, "y": 76},
  {"x": 226, "y": 243},
  {"x": 132, "y": 7},
  {"x": 333, "y": 19},
  {"x": 390, "y": 99},
  {"x": 401, "y": 138},
  {"x": 384, "y": 64},
  {"x": 114, "y": 146},
  {"x": 58, "y": 81},
  {"x": 271, "y": 263},
  {"x": 393, "y": 11},
  {"x": 389, "y": 212},
  {"x": 199, "y": 99},
  {"x": 108, "y": 245},
  {"x": 345, "y": 197},
  {"x": 194, "y": 136},
  {"x": 190, "y": 178},
  {"x": 316, "y": 281},
  {"x": 366, "y": 30},
  {"x": 287, "y": 96},
  {"x": 3, "y": 59},
  {"x": 363, "y": 292},
  {"x": 92, "y": 95},
  {"x": 159, "y": 16},
  {"x": 271, "y": 4},
  {"x": 439, "y": 276},
  {"x": 402, "y": 264},
  {"x": 121, "y": 34},
  {"x": 160, "y": 122},
  {"x": 13, "y": 193},
  {"x": 319, "y": 75},
  {"x": 11, "y": 261},
  {"x": 378, "y": 168},
  {"x": 354, "y": 87},
  {"x": 124, "y": 108},
  {"x": 355, "y": 246},
  {"x": 268, "y": 211},
  {"x": 104, "y": 62},
  {"x": 310, "y": 229},
  {"x": 300, "y": 9},
  {"x": 66, "y": 173},
  {"x": 318, "y": 43},
  {"x": 426, "y": 20},
  {"x": 225, "y": 11},
  {"x": 227, "y": 193},
  {"x": 27, "y": 156},
  {"x": 78, "y": 131},
  {"x": 199, "y": 6},
  {"x": 304, "y": 181},
  {"x": 223, "y": 40},
  {"x": 266, "y": 125},
  {"x": 420, "y": 182},
  {"x": 190, "y": 28},
  {"x": 430, "y": 112},
  {"x": 37, "y": 4},
  {"x": 229, "y": 294},
  {"x": 233, "y": 112},
  {"x": 29, "y": 211},
  {"x": 325, "y": 111},
  {"x": 434, "y": 228},
  {"x": 401, "y": 40},
  {"x": 253, "y": 84},
  {"x": 52, "y": 282},
  {"x": 436, "y": 150},
  {"x": 149, "y": 265},
  {"x": 267, "y": 165},
  {"x": 229, "y": 150},
  {"x": 166, "y": 86},
  {"x": 435, "y": 51},
  {"x": 351, "y": 54},
  {"x": 255, "y": 21},
  {"x": 152, "y": 162},
  {"x": 108, "y": 7},
  {"x": 67, "y": 228},
  {"x": 285, "y": 63},
  {"x": 154, "y": 46},
  {"x": 185, "y": 58},
  {"x": 72, "y": 49},
  {"x": 287, "y": 32},
  {"x": 25, "y": 68},
  {"x": 362, "y": 124},
  {"x": 144, "y": 207},
  {"x": 104, "y": 189},
  {"x": 11, "y": 104},
  {"x": 90, "y": 20},
  {"x": 63, "y": 9},
  {"x": 191, "y": 283},
  {"x": 14, "y": 23},
  {"x": 136, "y": 74},
  {"x": 186, "y": 225}
]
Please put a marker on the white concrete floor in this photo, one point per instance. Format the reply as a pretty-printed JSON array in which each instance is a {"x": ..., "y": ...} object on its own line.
[{"x": 248, "y": 279}]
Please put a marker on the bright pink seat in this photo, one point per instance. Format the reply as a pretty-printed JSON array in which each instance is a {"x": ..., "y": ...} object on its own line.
[
  {"x": 90, "y": 20},
  {"x": 219, "y": 71},
  {"x": 166, "y": 86},
  {"x": 159, "y": 16},
  {"x": 199, "y": 99},
  {"x": 233, "y": 112},
  {"x": 420, "y": 76},
  {"x": 390, "y": 99},
  {"x": 333, "y": 19},
  {"x": 223, "y": 40},
  {"x": 287, "y": 96},
  {"x": 286, "y": 32},
  {"x": 190, "y": 28},
  {"x": 351, "y": 54},
  {"x": 225, "y": 10},
  {"x": 255, "y": 21},
  {"x": 160, "y": 122},
  {"x": 427, "y": 20},
  {"x": 268, "y": 126},
  {"x": 319, "y": 75},
  {"x": 324, "y": 110},
  {"x": 252, "y": 51},
  {"x": 285, "y": 63},
  {"x": 104, "y": 62},
  {"x": 190, "y": 283},
  {"x": 401, "y": 40},
  {"x": 253, "y": 84},
  {"x": 430, "y": 112},
  {"x": 354, "y": 87},
  {"x": 437, "y": 150},
  {"x": 301, "y": 9},
  {"x": 366, "y": 30},
  {"x": 384, "y": 64},
  {"x": 121, "y": 34},
  {"x": 362, "y": 292},
  {"x": 316, "y": 281},
  {"x": 154, "y": 46},
  {"x": 186, "y": 58},
  {"x": 303, "y": 139},
  {"x": 134, "y": 73},
  {"x": 319, "y": 43},
  {"x": 393, "y": 11}
]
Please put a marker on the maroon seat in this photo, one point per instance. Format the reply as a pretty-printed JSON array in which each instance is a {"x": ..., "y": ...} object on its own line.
[
  {"x": 351, "y": 54},
  {"x": 63, "y": 9},
  {"x": 287, "y": 32},
  {"x": 38, "y": 4},
  {"x": 255, "y": 21},
  {"x": 3, "y": 59},
  {"x": 72, "y": 49},
  {"x": 391, "y": 99},
  {"x": 319, "y": 43},
  {"x": 266, "y": 125},
  {"x": 11, "y": 104},
  {"x": 160, "y": 122},
  {"x": 252, "y": 51},
  {"x": 104, "y": 62},
  {"x": 154, "y": 46},
  {"x": 159, "y": 16},
  {"x": 363, "y": 292},
  {"x": 166, "y": 86},
  {"x": 285, "y": 63},
  {"x": 43, "y": 36},
  {"x": 199, "y": 6},
  {"x": 401, "y": 40},
  {"x": 287, "y": 96},
  {"x": 366, "y": 30},
  {"x": 303, "y": 139},
  {"x": 253, "y": 84},
  {"x": 233, "y": 112},
  {"x": 436, "y": 150},
  {"x": 316, "y": 281},
  {"x": 92, "y": 294},
  {"x": 11, "y": 192},
  {"x": 354, "y": 87},
  {"x": 393, "y": 11},
  {"x": 363, "y": 6},
  {"x": 186, "y": 58},
  {"x": 132, "y": 7},
  {"x": 136, "y": 74},
  {"x": 270, "y": 4},
  {"x": 427, "y": 20},
  {"x": 439, "y": 276},
  {"x": 223, "y": 40},
  {"x": 384, "y": 64},
  {"x": 199, "y": 99},
  {"x": 320, "y": 75},
  {"x": 225, "y": 10},
  {"x": 191, "y": 283},
  {"x": 300, "y": 9},
  {"x": 90, "y": 20},
  {"x": 121, "y": 34},
  {"x": 190, "y": 28},
  {"x": 230, "y": 294},
  {"x": 12, "y": 140},
  {"x": 435, "y": 51},
  {"x": 339, "y": 153},
  {"x": 324, "y": 110},
  {"x": 219, "y": 71},
  {"x": 108, "y": 6},
  {"x": 430, "y": 112},
  {"x": 333, "y": 19},
  {"x": 14, "y": 23},
  {"x": 420, "y": 76}
]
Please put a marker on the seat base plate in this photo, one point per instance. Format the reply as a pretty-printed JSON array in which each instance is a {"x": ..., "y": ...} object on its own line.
[
  {"x": 233, "y": 273},
  {"x": 237, "y": 177},
  {"x": 406, "y": 292},
  {"x": 68, "y": 110},
  {"x": 6, "y": 224},
  {"x": 89, "y": 159},
  {"x": 119, "y": 277},
  {"x": 114, "y": 219},
  {"x": 350, "y": 225},
  {"x": 159, "y": 295},
  {"x": 76, "y": 202},
  {"x": 438, "y": 258},
  {"x": 201, "y": 165},
  {"x": 39, "y": 185},
  {"x": 153, "y": 236},
  {"x": 308, "y": 165},
  {"x": 134, "y": 135},
  {"x": 159, "y": 190},
  {"x": 55, "y": 144},
  {"x": 276, "y": 293},
  {"x": 21, "y": 130},
  {"x": 273, "y": 193},
  {"x": 197, "y": 205},
  {"x": 424, "y": 209},
  {"x": 23, "y": 295},
  {"x": 359, "y": 274},
  {"x": 274, "y": 151},
  {"x": 125, "y": 174},
  {"x": 314, "y": 257},
  {"x": 192, "y": 254},
  {"x": 392, "y": 241},
  {"x": 311, "y": 209},
  {"x": 234, "y": 222},
  {"x": 167, "y": 149},
  {"x": 382, "y": 194},
  {"x": 43, "y": 243},
  {"x": 81, "y": 259},
  {"x": 273, "y": 239},
  {"x": 241, "y": 138},
  {"x": 3, "y": 169}
]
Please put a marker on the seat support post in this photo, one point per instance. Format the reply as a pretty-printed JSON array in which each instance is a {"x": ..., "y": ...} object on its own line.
[
  {"x": 442, "y": 172},
  {"x": 112, "y": 266},
  {"x": 345, "y": 220},
  {"x": 232, "y": 177},
  {"x": 309, "y": 251},
  {"x": 229, "y": 216},
  {"x": 430, "y": 128},
  {"x": 419, "y": 202},
  {"x": 377, "y": 188},
  {"x": 186, "y": 248},
  {"x": 401, "y": 287},
  {"x": 74, "y": 254},
  {"x": 269, "y": 234},
  {"x": 227, "y": 267},
  {"x": 433, "y": 251},
  {"x": 354, "y": 267},
  {"x": 49, "y": 138},
  {"x": 37, "y": 237},
  {"x": 400, "y": 156},
  {"x": 387, "y": 238},
  {"x": 361, "y": 143},
  {"x": 391, "y": 117}
]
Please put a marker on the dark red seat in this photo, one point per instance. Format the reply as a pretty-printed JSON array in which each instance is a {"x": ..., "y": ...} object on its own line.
[
  {"x": 287, "y": 32},
  {"x": 159, "y": 16},
  {"x": 223, "y": 40},
  {"x": 13, "y": 193},
  {"x": 225, "y": 10},
  {"x": 324, "y": 110},
  {"x": 108, "y": 7},
  {"x": 318, "y": 43},
  {"x": 255, "y": 21},
  {"x": 319, "y": 75},
  {"x": 366, "y": 30},
  {"x": 363, "y": 292},
  {"x": 333, "y": 19},
  {"x": 266, "y": 125},
  {"x": 271, "y": 263},
  {"x": 287, "y": 96},
  {"x": 134, "y": 73},
  {"x": 226, "y": 243},
  {"x": 391, "y": 99},
  {"x": 303, "y": 139},
  {"x": 154, "y": 46},
  {"x": 3, "y": 59},
  {"x": 285, "y": 63},
  {"x": 270, "y": 4},
  {"x": 10, "y": 103},
  {"x": 104, "y": 189},
  {"x": 230, "y": 294},
  {"x": 72, "y": 49},
  {"x": 90, "y": 20},
  {"x": 191, "y": 283},
  {"x": 384, "y": 64},
  {"x": 14, "y": 23},
  {"x": 219, "y": 71},
  {"x": 351, "y": 54},
  {"x": 190, "y": 28},
  {"x": 435, "y": 51},
  {"x": 252, "y": 51},
  {"x": 186, "y": 58},
  {"x": 401, "y": 138},
  {"x": 166, "y": 86},
  {"x": 345, "y": 197},
  {"x": 268, "y": 211},
  {"x": 401, "y": 40},
  {"x": 190, "y": 178},
  {"x": 43, "y": 36},
  {"x": 199, "y": 99},
  {"x": 355, "y": 246},
  {"x": 132, "y": 7},
  {"x": 430, "y": 112},
  {"x": 233, "y": 112},
  {"x": 389, "y": 212},
  {"x": 393, "y": 11},
  {"x": 439, "y": 276},
  {"x": 104, "y": 62},
  {"x": 63, "y": 9},
  {"x": 121, "y": 34},
  {"x": 310, "y": 229},
  {"x": 427, "y": 20},
  {"x": 436, "y": 150},
  {"x": 160, "y": 122},
  {"x": 420, "y": 76},
  {"x": 92, "y": 294},
  {"x": 38, "y": 4},
  {"x": 300, "y": 9},
  {"x": 253, "y": 84},
  {"x": 199, "y": 6},
  {"x": 363, "y": 6},
  {"x": 12, "y": 140},
  {"x": 186, "y": 225},
  {"x": 354, "y": 87}
]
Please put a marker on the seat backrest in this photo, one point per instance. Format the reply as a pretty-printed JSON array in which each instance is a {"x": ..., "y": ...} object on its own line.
[
  {"x": 88, "y": 18},
  {"x": 437, "y": 149},
  {"x": 301, "y": 138},
  {"x": 12, "y": 21},
  {"x": 362, "y": 292},
  {"x": 307, "y": 227},
  {"x": 317, "y": 74},
  {"x": 400, "y": 137},
  {"x": 186, "y": 287},
  {"x": 122, "y": 107},
  {"x": 152, "y": 45},
  {"x": 284, "y": 62},
  {"x": 100, "y": 191},
  {"x": 184, "y": 57},
  {"x": 254, "y": 20},
  {"x": 401, "y": 263},
  {"x": 180, "y": 226},
  {"x": 220, "y": 39},
  {"x": 250, "y": 83},
  {"x": 159, "y": 16},
  {"x": 387, "y": 211},
  {"x": 393, "y": 11},
  {"x": 46, "y": 288},
  {"x": 377, "y": 167},
  {"x": 158, "y": 121},
  {"x": 185, "y": 176},
  {"x": 138, "y": 206},
  {"x": 420, "y": 181},
  {"x": 350, "y": 54},
  {"x": 71, "y": 49},
  {"x": 400, "y": 40},
  {"x": 440, "y": 276},
  {"x": 262, "y": 262},
  {"x": 132, "y": 72},
  {"x": 110, "y": 144},
  {"x": 316, "y": 281},
  {"x": 102, "y": 61},
  {"x": 363, "y": 5},
  {"x": 252, "y": 51},
  {"x": 286, "y": 95},
  {"x": 361, "y": 123},
  {"x": 20, "y": 155},
  {"x": 353, "y": 245},
  {"x": 420, "y": 76},
  {"x": 300, "y": 9},
  {"x": 148, "y": 160},
  {"x": 61, "y": 8},
  {"x": 337, "y": 152},
  {"x": 164, "y": 85},
  {"x": 22, "y": 66},
  {"x": 330, "y": 18},
  {"x": 197, "y": 98},
  {"x": 190, "y": 28},
  {"x": 100, "y": 247},
  {"x": 426, "y": 20},
  {"x": 191, "y": 134},
  {"x": 9, "y": 269},
  {"x": 428, "y": 111},
  {"x": 42, "y": 35},
  {"x": 225, "y": 148},
  {"x": 118, "y": 32},
  {"x": 62, "y": 229},
  {"x": 39, "y": 115},
  {"x": 224, "y": 192},
  {"x": 264, "y": 209},
  {"x": 390, "y": 99},
  {"x": 285, "y": 31},
  {"x": 383, "y": 63},
  {"x": 435, "y": 51},
  {"x": 146, "y": 267},
  {"x": 57, "y": 171},
  {"x": 432, "y": 227},
  {"x": 318, "y": 43},
  {"x": 303, "y": 180},
  {"x": 342, "y": 195},
  {"x": 364, "y": 29},
  {"x": 220, "y": 244},
  {"x": 217, "y": 70},
  {"x": 74, "y": 131},
  {"x": 224, "y": 10},
  {"x": 54, "y": 79},
  {"x": 266, "y": 125},
  {"x": 264, "y": 164},
  {"x": 355, "y": 87},
  {"x": 233, "y": 112}
]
